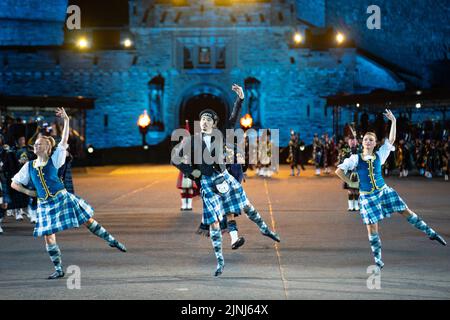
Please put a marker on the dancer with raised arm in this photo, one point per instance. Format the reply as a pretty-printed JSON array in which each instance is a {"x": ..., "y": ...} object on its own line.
[
  {"x": 378, "y": 200},
  {"x": 57, "y": 209}
]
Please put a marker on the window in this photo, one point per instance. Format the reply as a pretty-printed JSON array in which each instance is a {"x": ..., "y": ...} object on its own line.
[
  {"x": 187, "y": 58},
  {"x": 204, "y": 55},
  {"x": 221, "y": 58}
]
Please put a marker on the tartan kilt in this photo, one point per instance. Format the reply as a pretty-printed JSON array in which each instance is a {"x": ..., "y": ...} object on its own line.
[
  {"x": 181, "y": 178},
  {"x": 380, "y": 204},
  {"x": 215, "y": 206},
  {"x": 61, "y": 212}
]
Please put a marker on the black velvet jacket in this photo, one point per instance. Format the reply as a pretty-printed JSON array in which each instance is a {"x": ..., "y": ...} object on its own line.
[{"x": 208, "y": 169}]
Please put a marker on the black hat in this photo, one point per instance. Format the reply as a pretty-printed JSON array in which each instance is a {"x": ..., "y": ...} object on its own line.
[{"x": 210, "y": 113}]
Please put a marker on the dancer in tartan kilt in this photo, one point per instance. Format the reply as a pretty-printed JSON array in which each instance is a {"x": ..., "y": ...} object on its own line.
[
  {"x": 378, "y": 200},
  {"x": 221, "y": 194},
  {"x": 57, "y": 209}
]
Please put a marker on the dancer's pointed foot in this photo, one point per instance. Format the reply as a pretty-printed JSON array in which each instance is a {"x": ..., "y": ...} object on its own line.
[
  {"x": 118, "y": 245},
  {"x": 56, "y": 275},
  {"x": 439, "y": 239},
  {"x": 380, "y": 265},
  {"x": 219, "y": 269},
  {"x": 272, "y": 235},
  {"x": 238, "y": 243}
]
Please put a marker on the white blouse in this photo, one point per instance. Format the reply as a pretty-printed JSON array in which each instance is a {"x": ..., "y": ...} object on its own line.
[
  {"x": 58, "y": 158},
  {"x": 352, "y": 162}
]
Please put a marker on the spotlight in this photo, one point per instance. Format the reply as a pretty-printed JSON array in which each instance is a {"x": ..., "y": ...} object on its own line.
[
  {"x": 418, "y": 92},
  {"x": 82, "y": 43},
  {"x": 298, "y": 38},
  {"x": 418, "y": 106},
  {"x": 146, "y": 147},
  {"x": 127, "y": 43},
  {"x": 357, "y": 105},
  {"x": 340, "y": 38},
  {"x": 90, "y": 149}
]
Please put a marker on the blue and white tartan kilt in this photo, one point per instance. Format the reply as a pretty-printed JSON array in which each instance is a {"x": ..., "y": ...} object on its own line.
[
  {"x": 215, "y": 206},
  {"x": 380, "y": 204},
  {"x": 61, "y": 212}
]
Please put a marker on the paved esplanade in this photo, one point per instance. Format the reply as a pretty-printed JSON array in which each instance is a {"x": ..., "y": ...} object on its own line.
[{"x": 324, "y": 253}]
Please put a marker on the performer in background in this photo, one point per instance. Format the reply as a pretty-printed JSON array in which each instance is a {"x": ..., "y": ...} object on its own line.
[{"x": 188, "y": 187}]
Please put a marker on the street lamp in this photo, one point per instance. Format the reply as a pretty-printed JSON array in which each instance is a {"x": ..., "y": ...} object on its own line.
[{"x": 144, "y": 123}]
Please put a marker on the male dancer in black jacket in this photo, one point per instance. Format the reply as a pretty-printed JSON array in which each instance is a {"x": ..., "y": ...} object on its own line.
[{"x": 221, "y": 193}]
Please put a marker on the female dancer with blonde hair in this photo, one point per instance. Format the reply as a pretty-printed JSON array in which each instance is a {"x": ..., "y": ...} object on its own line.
[
  {"x": 378, "y": 200},
  {"x": 57, "y": 209}
]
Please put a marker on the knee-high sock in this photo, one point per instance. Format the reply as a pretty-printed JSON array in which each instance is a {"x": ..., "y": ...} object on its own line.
[
  {"x": 183, "y": 200},
  {"x": 375, "y": 245},
  {"x": 256, "y": 218},
  {"x": 216, "y": 239},
  {"x": 421, "y": 225},
  {"x": 55, "y": 256},
  {"x": 101, "y": 232},
  {"x": 233, "y": 230}
]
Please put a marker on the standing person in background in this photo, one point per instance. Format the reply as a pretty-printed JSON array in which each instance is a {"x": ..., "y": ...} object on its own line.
[
  {"x": 293, "y": 158},
  {"x": 349, "y": 149},
  {"x": 317, "y": 153},
  {"x": 187, "y": 186}
]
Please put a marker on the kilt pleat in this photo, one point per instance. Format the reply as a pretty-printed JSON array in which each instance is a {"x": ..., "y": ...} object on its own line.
[
  {"x": 61, "y": 212},
  {"x": 380, "y": 204},
  {"x": 215, "y": 206}
]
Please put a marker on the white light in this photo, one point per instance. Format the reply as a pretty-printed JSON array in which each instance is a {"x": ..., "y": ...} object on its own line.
[
  {"x": 82, "y": 43},
  {"x": 298, "y": 38},
  {"x": 418, "y": 92},
  {"x": 357, "y": 105},
  {"x": 127, "y": 43},
  {"x": 340, "y": 38},
  {"x": 146, "y": 147},
  {"x": 90, "y": 150},
  {"x": 418, "y": 105}
]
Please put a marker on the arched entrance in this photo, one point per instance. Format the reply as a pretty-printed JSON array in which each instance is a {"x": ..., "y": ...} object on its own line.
[{"x": 194, "y": 104}]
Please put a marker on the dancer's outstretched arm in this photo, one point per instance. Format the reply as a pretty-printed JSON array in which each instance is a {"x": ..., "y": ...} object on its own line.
[
  {"x": 60, "y": 112},
  {"x": 388, "y": 114}
]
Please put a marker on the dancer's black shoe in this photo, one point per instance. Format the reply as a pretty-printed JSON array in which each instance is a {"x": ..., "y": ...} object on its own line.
[
  {"x": 118, "y": 245},
  {"x": 219, "y": 270},
  {"x": 238, "y": 243},
  {"x": 56, "y": 275},
  {"x": 272, "y": 235},
  {"x": 439, "y": 239}
]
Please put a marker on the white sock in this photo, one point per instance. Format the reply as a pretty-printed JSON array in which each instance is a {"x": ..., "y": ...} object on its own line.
[
  {"x": 356, "y": 204},
  {"x": 183, "y": 203},
  {"x": 189, "y": 203},
  {"x": 234, "y": 236},
  {"x": 350, "y": 205}
]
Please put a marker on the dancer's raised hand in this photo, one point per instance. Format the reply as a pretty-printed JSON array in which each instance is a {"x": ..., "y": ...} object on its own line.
[
  {"x": 388, "y": 114},
  {"x": 238, "y": 90},
  {"x": 60, "y": 112}
]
